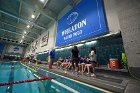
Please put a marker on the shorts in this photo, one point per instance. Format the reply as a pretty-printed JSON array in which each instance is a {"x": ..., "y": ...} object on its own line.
[
  {"x": 93, "y": 63},
  {"x": 51, "y": 60}
]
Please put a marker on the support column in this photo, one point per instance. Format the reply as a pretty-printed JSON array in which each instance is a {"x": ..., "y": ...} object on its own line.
[{"x": 129, "y": 19}]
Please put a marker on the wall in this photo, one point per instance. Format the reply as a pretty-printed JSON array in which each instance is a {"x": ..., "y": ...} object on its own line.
[
  {"x": 8, "y": 51},
  {"x": 111, "y": 17},
  {"x": 14, "y": 49},
  {"x": 51, "y": 41},
  {"x": 129, "y": 18},
  {"x": 112, "y": 20},
  {"x": 110, "y": 12},
  {"x": 110, "y": 47}
]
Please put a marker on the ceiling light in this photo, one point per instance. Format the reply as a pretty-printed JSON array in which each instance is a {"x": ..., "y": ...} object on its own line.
[
  {"x": 42, "y": 0},
  {"x": 22, "y": 36},
  {"x": 33, "y": 16},
  {"x": 28, "y": 26},
  {"x": 25, "y": 32},
  {"x": 21, "y": 41}
]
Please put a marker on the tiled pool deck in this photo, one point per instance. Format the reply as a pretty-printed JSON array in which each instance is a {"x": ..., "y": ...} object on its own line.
[{"x": 116, "y": 81}]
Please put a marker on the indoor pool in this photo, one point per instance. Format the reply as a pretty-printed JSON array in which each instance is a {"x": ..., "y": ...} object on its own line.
[{"x": 12, "y": 72}]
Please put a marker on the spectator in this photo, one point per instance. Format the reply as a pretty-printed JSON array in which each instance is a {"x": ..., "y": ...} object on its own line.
[
  {"x": 75, "y": 58},
  {"x": 52, "y": 57},
  {"x": 87, "y": 65},
  {"x": 93, "y": 56},
  {"x": 59, "y": 62}
]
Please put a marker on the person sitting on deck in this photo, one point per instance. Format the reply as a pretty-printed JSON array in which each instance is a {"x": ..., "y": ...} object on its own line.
[
  {"x": 87, "y": 65},
  {"x": 80, "y": 64},
  {"x": 69, "y": 64},
  {"x": 59, "y": 62},
  {"x": 65, "y": 63}
]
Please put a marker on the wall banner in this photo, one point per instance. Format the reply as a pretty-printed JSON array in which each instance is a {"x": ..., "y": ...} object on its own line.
[
  {"x": 44, "y": 40},
  {"x": 15, "y": 49},
  {"x": 85, "y": 20}
]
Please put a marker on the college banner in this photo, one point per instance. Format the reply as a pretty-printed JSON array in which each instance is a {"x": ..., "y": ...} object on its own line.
[
  {"x": 1, "y": 47},
  {"x": 44, "y": 40},
  {"x": 85, "y": 20},
  {"x": 15, "y": 49},
  {"x": 35, "y": 46}
]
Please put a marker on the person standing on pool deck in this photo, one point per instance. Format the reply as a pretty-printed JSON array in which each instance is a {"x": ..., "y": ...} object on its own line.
[
  {"x": 75, "y": 57},
  {"x": 93, "y": 60},
  {"x": 52, "y": 57}
]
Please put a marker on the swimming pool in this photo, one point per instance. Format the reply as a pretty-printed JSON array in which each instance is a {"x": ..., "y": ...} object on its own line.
[{"x": 11, "y": 72}]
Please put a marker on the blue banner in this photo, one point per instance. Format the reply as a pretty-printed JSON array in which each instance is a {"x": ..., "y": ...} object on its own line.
[
  {"x": 1, "y": 47},
  {"x": 85, "y": 20}
]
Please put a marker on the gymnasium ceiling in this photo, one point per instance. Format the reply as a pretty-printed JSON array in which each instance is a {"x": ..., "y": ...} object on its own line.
[{"x": 23, "y": 21}]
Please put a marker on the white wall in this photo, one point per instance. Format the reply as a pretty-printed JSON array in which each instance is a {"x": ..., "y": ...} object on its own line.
[{"x": 51, "y": 41}]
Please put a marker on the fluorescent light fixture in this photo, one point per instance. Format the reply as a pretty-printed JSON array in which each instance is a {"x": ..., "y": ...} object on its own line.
[
  {"x": 33, "y": 16},
  {"x": 83, "y": 41},
  {"x": 41, "y": 53},
  {"x": 45, "y": 52},
  {"x": 59, "y": 49},
  {"x": 79, "y": 45},
  {"x": 91, "y": 42},
  {"x": 68, "y": 47},
  {"x": 28, "y": 26}
]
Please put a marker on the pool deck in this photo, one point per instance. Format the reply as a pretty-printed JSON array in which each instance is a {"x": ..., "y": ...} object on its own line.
[{"x": 112, "y": 80}]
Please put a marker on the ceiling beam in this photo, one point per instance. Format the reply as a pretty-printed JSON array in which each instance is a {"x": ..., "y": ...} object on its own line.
[
  {"x": 73, "y": 2},
  {"x": 39, "y": 13},
  {"x": 46, "y": 12},
  {"x": 11, "y": 39},
  {"x": 20, "y": 6},
  {"x": 10, "y": 42},
  {"x": 21, "y": 28},
  {"x": 22, "y": 19},
  {"x": 67, "y": 8},
  {"x": 16, "y": 33}
]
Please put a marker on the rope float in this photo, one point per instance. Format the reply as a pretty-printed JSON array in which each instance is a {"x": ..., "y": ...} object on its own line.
[
  {"x": 24, "y": 81},
  {"x": 31, "y": 80},
  {"x": 54, "y": 81},
  {"x": 35, "y": 71}
]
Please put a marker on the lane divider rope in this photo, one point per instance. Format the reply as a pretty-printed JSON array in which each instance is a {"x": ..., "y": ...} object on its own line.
[
  {"x": 35, "y": 71},
  {"x": 31, "y": 80},
  {"x": 54, "y": 81},
  {"x": 106, "y": 91},
  {"x": 24, "y": 81}
]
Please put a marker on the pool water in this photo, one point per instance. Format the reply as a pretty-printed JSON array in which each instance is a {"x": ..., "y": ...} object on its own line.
[{"x": 10, "y": 72}]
